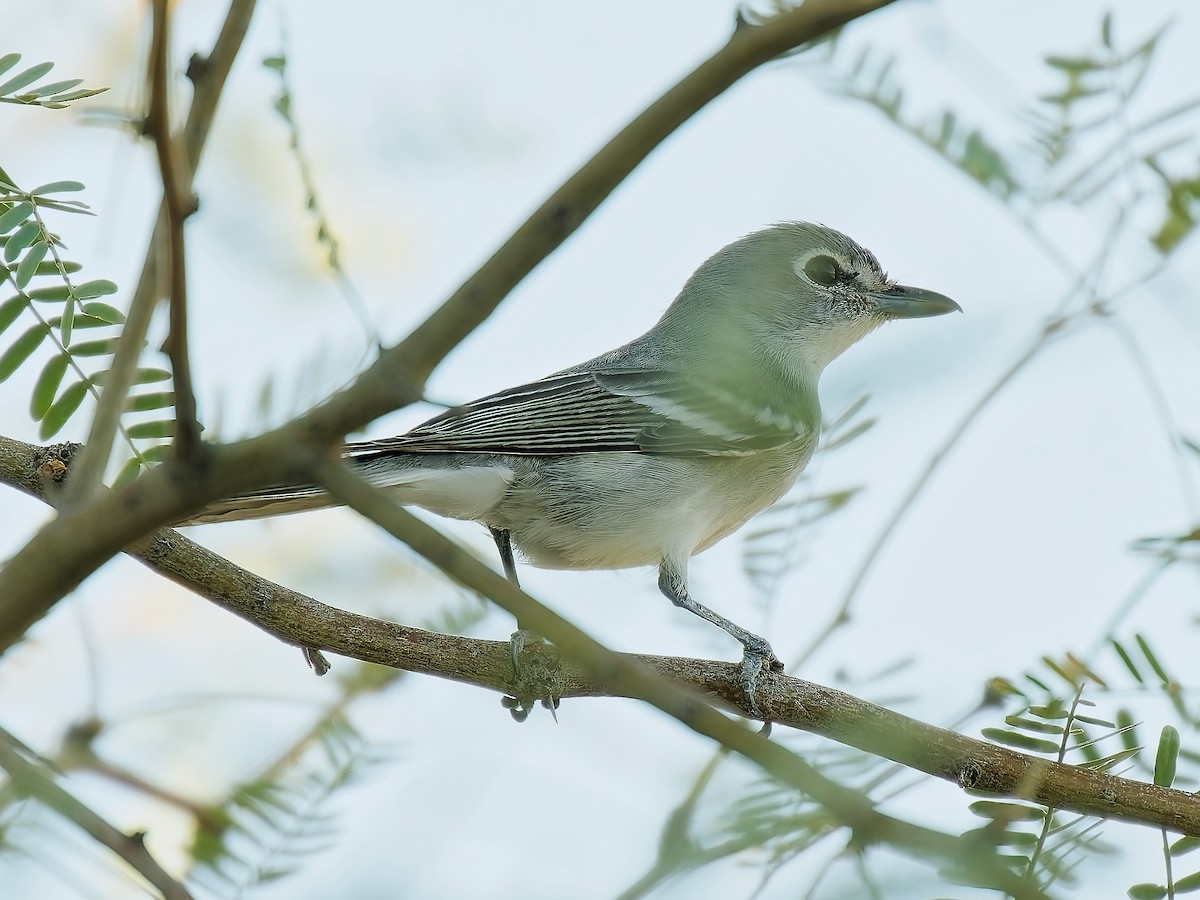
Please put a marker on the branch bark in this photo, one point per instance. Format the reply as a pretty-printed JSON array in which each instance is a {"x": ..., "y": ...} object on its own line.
[{"x": 303, "y": 621}]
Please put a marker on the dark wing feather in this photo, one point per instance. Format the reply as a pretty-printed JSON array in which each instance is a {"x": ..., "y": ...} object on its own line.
[{"x": 639, "y": 411}]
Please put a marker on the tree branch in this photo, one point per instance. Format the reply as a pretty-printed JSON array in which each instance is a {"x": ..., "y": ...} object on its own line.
[{"x": 299, "y": 620}]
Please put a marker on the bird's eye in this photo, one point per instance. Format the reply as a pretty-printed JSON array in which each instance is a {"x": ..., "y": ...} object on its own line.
[{"x": 823, "y": 270}]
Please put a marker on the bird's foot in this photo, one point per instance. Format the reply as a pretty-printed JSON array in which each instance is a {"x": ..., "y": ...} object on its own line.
[
  {"x": 532, "y": 676},
  {"x": 758, "y": 653}
]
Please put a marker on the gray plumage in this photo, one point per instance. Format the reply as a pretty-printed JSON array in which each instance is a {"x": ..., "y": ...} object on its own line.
[{"x": 656, "y": 450}]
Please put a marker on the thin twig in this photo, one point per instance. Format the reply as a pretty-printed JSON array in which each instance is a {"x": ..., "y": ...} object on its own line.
[
  {"x": 179, "y": 204},
  {"x": 38, "y": 780},
  {"x": 208, "y": 75}
]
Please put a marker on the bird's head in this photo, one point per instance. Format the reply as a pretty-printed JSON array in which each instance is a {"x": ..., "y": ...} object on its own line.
[{"x": 800, "y": 293}]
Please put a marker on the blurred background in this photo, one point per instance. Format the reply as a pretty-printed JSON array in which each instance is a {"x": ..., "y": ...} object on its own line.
[{"x": 986, "y": 519}]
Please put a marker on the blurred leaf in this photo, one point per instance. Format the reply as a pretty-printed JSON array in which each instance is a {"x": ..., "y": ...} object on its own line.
[
  {"x": 55, "y": 187},
  {"x": 47, "y": 90},
  {"x": 146, "y": 430},
  {"x": 1167, "y": 759},
  {"x": 8, "y": 60},
  {"x": 29, "y": 263},
  {"x": 62, "y": 409},
  {"x": 102, "y": 347},
  {"x": 56, "y": 294},
  {"x": 1104, "y": 763},
  {"x": 147, "y": 402},
  {"x": 1147, "y": 891},
  {"x": 128, "y": 472},
  {"x": 47, "y": 385},
  {"x": 1144, "y": 646},
  {"x": 19, "y": 212},
  {"x": 1018, "y": 740},
  {"x": 1188, "y": 883},
  {"x": 50, "y": 267},
  {"x": 1031, "y": 725},
  {"x": 96, "y": 288},
  {"x": 11, "y": 310},
  {"x": 1125, "y": 658},
  {"x": 105, "y": 313},
  {"x": 1007, "y": 812},
  {"x": 20, "y": 239},
  {"x": 1184, "y": 845},
  {"x": 12, "y": 358},
  {"x": 29, "y": 76}
]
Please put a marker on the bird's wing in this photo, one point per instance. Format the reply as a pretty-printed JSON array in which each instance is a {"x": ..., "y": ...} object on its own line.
[{"x": 632, "y": 410}]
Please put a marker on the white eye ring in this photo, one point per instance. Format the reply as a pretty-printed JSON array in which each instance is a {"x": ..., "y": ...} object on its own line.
[{"x": 821, "y": 269}]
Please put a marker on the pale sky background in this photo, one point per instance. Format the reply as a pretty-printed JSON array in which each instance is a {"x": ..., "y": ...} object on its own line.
[{"x": 432, "y": 131}]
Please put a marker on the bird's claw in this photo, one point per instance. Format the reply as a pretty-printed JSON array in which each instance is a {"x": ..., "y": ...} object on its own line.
[
  {"x": 520, "y": 707},
  {"x": 757, "y": 655}
]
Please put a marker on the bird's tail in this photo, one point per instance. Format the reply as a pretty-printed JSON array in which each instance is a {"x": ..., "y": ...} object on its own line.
[{"x": 449, "y": 484}]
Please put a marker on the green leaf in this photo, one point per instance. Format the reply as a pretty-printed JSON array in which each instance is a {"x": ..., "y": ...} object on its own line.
[
  {"x": 1167, "y": 758},
  {"x": 1188, "y": 883},
  {"x": 146, "y": 402},
  {"x": 80, "y": 321},
  {"x": 1106, "y": 37},
  {"x": 17, "y": 213},
  {"x": 29, "y": 263},
  {"x": 21, "y": 238},
  {"x": 128, "y": 472},
  {"x": 1147, "y": 891},
  {"x": 1031, "y": 725},
  {"x": 50, "y": 267},
  {"x": 1020, "y": 741},
  {"x": 12, "y": 358},
  {"x": 104, "y": 347},
  {"x": 146, "y": 430},
  {"x": 1184, "y": 845},
  {"x": 29, "y": 76},
  {"x": 47, "y": 385},
  {"x": 1144, "y": 646},
  {"x": 109, "y": 314},
  {"x": 67, "y": 325},
  {"x": 1008, "y": 812},
  {"x": 149, "y": 376},
  {"x": 8, "y": 60},
  {"x": 11, "y": 310},
  {"x": 1125, "y": 658},
  {"x": 274, "y": 62},
  {"x": 62, "y": 410},
  {"x": 1104, "y": 763},
  {"x": 55, "y": 187},
  {"x": 96, "y": 288},
  {"x": 140, "y": 376},
  {"x": 56, "y": 294},
  {"x": 55, "y": 87},
  {"x": 155, "y": 454}
]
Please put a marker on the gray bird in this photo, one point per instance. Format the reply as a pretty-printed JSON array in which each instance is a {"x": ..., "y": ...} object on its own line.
[{"x": 653, "y": 452}]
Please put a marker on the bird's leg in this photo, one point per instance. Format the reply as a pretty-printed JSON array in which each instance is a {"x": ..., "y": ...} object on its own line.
[
  {"x": 519, "y": 709},
  {"x": 672, "y": 581}
]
